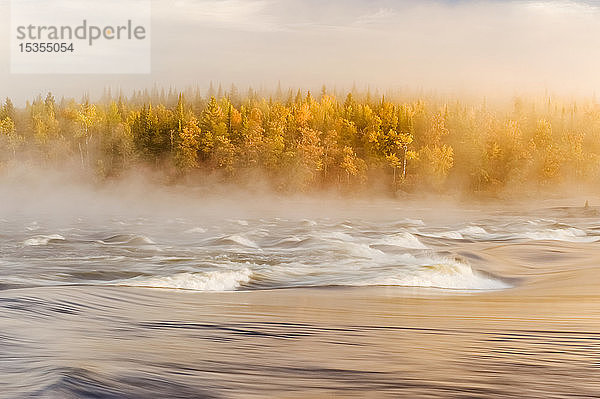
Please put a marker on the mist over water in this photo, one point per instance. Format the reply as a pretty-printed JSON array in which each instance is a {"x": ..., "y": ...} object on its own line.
[
  {"x": 222, "y": 254},
  {"x": 131, "y": 289},
  {"x": 159, "y": 237}
]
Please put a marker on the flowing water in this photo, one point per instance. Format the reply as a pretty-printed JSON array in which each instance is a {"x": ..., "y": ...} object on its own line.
[{"x": 298, "y": 299}]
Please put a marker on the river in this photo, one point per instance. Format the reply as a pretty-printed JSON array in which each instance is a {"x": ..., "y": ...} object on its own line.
[{"x": 297, "y": 298}]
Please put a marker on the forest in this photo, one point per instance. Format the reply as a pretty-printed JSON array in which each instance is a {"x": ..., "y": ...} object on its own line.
[{"x": 296, "y": 141}]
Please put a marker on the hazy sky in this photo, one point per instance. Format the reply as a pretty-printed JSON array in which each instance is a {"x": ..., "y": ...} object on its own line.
[{"x": 477, "y": 46}]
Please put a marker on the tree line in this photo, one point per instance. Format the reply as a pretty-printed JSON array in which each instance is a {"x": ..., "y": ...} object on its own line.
[{"x": 300, "y": 142}]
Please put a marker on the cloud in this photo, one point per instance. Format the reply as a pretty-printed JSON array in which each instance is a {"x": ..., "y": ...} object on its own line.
[{"x": 560, "y": 7}]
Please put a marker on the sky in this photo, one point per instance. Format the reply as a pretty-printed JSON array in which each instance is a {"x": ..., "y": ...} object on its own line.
[{"x": 488, "y": 47}]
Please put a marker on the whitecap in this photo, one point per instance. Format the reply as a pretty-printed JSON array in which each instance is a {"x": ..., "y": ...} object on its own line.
[
  {"x": 241, "y": 240},
  {"x": 404, "y": 240},
  {"x": 141, "y": 240},
  {"x": 450, "y": 235},
  {"x": 405, "y": 270},
  {"x": 473, "y": 231},
  {"x": 217, "y": 280},
  {"x": 411, "y": 222},
  {"x": 128, "y": 239},
  {"x": 362, "y": 250},
  {"x": 43, "y": 240},
  {"x": 570, "y": 234},
  {"x": 442, "y": 273},
  {"x": 195, "y": 230}
]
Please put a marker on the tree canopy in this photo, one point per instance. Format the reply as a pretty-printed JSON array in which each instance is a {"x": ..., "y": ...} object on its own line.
[{"x": 300, "y": 142}]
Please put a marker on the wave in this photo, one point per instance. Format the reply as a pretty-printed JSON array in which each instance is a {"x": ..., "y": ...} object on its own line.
[
  {"x": 33, "y": 226},
  {"x": 410, "y": 222},
  {"x": 288, "y": 242},
  {"x": 404, "y": 240},
  {"x": 448, "y": 235},
  {"x": 75, "y": 382},
  {"x": 443, "y": 274},
  {"x": 217, "y": 280},
  {"x": 348, "y": 244},
  {"x": 308, "y": 222},
  {"x": 128, "y": 239},
  {"x": 362, "y": 250},
  {"x": 570, "y": 234},
  {"x": 406, "y": 271},
  {"x": 469, "y": 232},
  {"x": 44, "y": 240},
  {"x": 369, "y": 268},
  {"x": 195, "y": 230},
  {"x": 238, "y": 239},
  {"x": 335, "y": 235},
  {"x": 241, "y": 222},
  {"x": 474, "y": 232}
]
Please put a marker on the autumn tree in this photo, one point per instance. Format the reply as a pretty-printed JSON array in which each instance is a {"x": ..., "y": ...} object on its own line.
[
  {"x": 394, "y": 145},
  {"x": 9, "y": 139},
  {"x": 186, "y": 154},
  {"x": 303, "y": 142}
]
